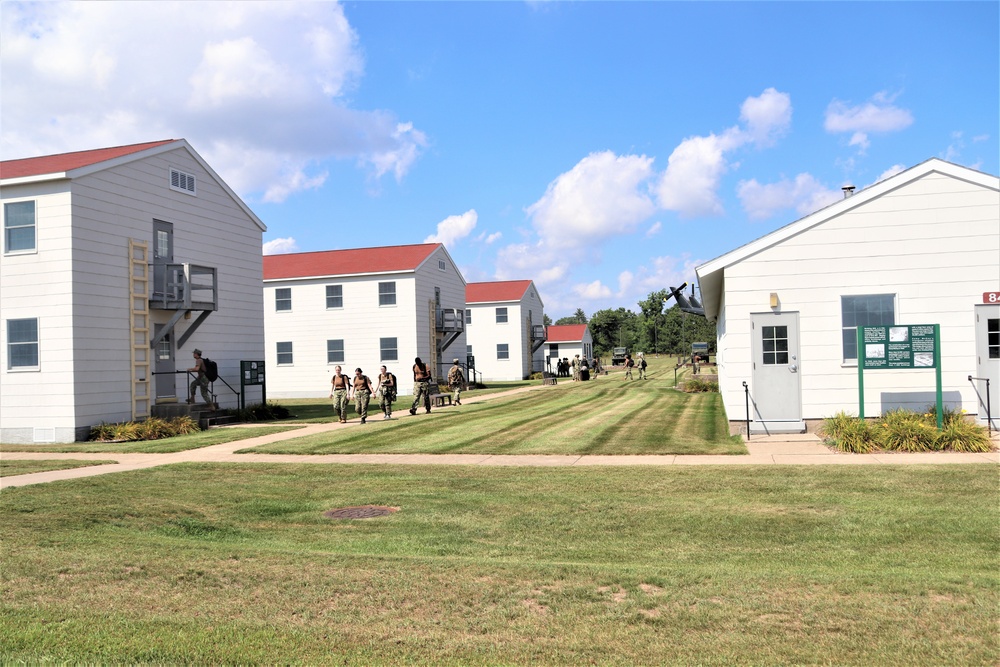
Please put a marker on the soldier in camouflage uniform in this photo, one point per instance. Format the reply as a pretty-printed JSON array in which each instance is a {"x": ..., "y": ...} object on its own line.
[
  {"x": 421, "y": 386},
  {"x": 456, "y": 381}
]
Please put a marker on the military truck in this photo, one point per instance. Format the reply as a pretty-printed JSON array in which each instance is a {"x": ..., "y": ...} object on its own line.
[{"x": 618, "y": 356}]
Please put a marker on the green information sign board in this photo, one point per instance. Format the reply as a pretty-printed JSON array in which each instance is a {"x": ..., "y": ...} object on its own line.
[
  {"x": 900, "y": 346},
  {"x": 897, "y": 347},
  {"x": 252, "y": 373}
]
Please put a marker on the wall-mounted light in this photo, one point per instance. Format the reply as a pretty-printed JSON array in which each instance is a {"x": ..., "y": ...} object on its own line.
[{"x": 774, "y": 299}]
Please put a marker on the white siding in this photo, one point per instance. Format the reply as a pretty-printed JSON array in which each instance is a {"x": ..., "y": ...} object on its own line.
[{"x": 934, "y": 243}]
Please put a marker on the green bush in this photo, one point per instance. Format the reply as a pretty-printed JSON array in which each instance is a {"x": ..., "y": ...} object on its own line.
[
  {"x": 697, "y": 385},
  {"x": 961, "y": 435},
  {"x": 153, "y": 428},
  {"x": 261, "y": 412},
  {"x": 849, "y": 433},
  {"x": 905, "y": 431}
]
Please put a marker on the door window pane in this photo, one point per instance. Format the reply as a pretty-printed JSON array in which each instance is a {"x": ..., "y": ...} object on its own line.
[
  {"x": 993, "y": 338},
  {"x": 774, "y": 343}
]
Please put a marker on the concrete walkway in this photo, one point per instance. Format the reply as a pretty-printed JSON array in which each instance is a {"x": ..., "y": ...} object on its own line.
[{"x": 793, "y": 449}]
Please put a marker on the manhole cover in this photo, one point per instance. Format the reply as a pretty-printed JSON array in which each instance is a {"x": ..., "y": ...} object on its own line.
[{"x": 360, "y": 512}]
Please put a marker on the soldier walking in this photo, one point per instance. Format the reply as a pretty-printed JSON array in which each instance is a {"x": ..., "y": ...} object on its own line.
[
  {"x": 386, "y": 392},
  {"x": 339, "y": 393},
  {"x": 362, "y": 394},
  {"x": 421, "y": 389},
  {"x": 456, "y": 381}
]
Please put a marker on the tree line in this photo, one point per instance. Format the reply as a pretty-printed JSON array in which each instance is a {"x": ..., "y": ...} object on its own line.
[{"x": 652, "y": 330}]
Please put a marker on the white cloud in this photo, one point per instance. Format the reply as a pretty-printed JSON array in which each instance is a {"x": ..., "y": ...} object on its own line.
[
  {"x": 625, "y": 281},
  {"x": 592, "y": 291},
  {"x": 281, "y": 246},
  {"x": 695, "y": 168},
  {"x": 494, "y": 237},
  {"x": 804, "y": 194},
  {"x": 532, "y": 261},
  {"x": 454, "y": 228},
  {"x": 654, "y": 229},
  {"x": 878, "y": 115},
  {"x": 258, "y": 88},
  {"x": 602, "y": 196},
  {"x": 891, "y": 171}
]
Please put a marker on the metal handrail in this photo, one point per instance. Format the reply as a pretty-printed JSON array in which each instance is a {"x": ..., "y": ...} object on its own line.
[{"x": 989, "y": 416}]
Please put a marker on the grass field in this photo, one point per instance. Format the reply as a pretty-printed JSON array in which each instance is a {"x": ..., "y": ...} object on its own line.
[
  {"x": 163, "y": 446},
  {"x": 225, "y": 564},
  {"x": 10, "y": 468},
  {"x": 603, "y": 417}
]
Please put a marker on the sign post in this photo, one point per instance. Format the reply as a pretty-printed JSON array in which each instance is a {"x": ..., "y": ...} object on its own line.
[
  {"x": 900, "y": 347},
  {"x": 252, "y": 373}
]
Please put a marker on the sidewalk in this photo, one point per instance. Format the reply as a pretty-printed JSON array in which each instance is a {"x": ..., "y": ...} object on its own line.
[{"x": 791, "y": 449}]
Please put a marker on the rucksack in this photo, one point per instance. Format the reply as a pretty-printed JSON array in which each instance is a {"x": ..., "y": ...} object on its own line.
[
  {"x": 644, "y": 363},
  {"x": 211, "y": 370}
]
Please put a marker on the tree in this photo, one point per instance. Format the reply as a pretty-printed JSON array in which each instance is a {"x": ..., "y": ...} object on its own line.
[
  {"x": 579, "y": 317},
  {"x": 546, "y": 320},
  {"x": 613, "y": 328}
]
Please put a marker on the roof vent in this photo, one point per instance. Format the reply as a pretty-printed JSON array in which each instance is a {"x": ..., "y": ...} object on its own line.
[
  {"x": 848, "y": 190},
  {"x": 182, "y": 182}
]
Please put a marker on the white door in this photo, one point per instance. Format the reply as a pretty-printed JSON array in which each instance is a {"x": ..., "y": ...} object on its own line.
[
  {"x": 165, "y": 365},
  {"x": 775, "y": 394},
  {"x": 988, "y": 360}
]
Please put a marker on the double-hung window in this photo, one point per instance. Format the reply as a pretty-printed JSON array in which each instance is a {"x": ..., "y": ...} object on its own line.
[
  {"x": 22, "y": 343},
  {"x": 503, "y": 351},
  {"x": 387, "y": 294},
  {"x": 335, "y": 351},
  {"x": 501, "y": 315},
  {"x": 284, "y": 354},
  {"x": 283, "y": 298},
  {"x": 468, "y": 316},
  {"x": 334, "y": 296},
  {"x": 19, "y": 226},
  {"x": 388, "y": 349},
  {"x": 863, "y": 311}
]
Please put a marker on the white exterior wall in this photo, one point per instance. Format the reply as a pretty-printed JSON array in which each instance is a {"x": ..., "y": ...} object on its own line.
[
  {"x": 485, "y": 333},
  {"x": 569, "y": 349},
  {"x": 361, "y": 323},
  {"x": 84, "y": 315},
  {"x": 39, "y": 285},
  {"x": 934, "y": 243}
]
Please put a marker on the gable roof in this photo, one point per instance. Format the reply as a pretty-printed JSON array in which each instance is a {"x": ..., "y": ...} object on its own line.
[
  {"x": 355, "y": 261},
  {"x": 565, "y": 333},
  {"x": 82, "y": 163},
  {"x": 65, "y": 162},
  {"x": 711, "y": 274},
  {"x": 501, "y": 290}
]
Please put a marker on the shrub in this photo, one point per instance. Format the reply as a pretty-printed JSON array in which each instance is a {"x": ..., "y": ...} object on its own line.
[
  {"x": 261, "y": 412},
  {"x": 153, "y": 428},
  {"x": 905, "y": 431},
  {"x": 961, "y": 435},
  {"x": 849, "y": 433},
  {"x": 537, "y": 376},
  {"x": 697, "y": 385}
]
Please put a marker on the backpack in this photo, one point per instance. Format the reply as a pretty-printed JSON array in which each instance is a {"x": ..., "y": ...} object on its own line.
[
  {"x": 211, "y": 370},
  {"x": 644, "y": 364}
]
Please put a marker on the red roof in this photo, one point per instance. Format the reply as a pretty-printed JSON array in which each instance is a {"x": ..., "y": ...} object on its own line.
[
  {"x": 57, "y": 164},
  {"x": 347, "y": 262},
  {"x": 564, "y": 333},
  {"x": 503, "y": 290}
]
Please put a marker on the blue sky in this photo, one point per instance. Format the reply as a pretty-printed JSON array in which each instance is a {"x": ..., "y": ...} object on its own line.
[{"x": 601, "y": 149}]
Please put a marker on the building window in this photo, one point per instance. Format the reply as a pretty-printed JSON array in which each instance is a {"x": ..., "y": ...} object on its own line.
[
  {"x": 388, "y": 349},
  {"x": 866, "y": 310},
  {"x": 441, "y": 265},
  {"x": 22, "y": 343},
  {"x": 283, "y": 298},
  {"x": 993, "y": 338},
  {"x": 335, "y": 351},
  {"x": 468, "y": 316},
  {"x": 182, "y": 182},
  {"x": 284, "y": 354},
  {"x": 468, "y": 350},
  {"x": 503, "y": 351},
  {"x": 387, "y": 294},
  {"x": 19, "y": 226},
  {"x": 775, "y": 345},
  {"x": 501, "y": 315},
  {"x": 334, "y": 296}
]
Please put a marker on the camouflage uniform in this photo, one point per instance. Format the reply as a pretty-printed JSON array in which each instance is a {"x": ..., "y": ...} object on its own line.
[
  {"x": 455, "y": 381},
  {"x": 339, "y": 395},
  {"x": 421, "y": 390}
]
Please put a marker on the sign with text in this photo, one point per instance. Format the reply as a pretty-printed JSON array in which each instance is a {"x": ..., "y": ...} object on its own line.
[
  {"x": 991, "y": 297},
  {"x": 253, "y": 372},
  {"x": 898, "y": 346}
]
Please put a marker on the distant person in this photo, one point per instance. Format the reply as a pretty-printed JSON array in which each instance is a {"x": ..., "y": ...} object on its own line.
[
  {"x": 596, "y": 365},
  {"x": 421, "y": 386},
  {"x": 629, "y": 365},
  {"x": 200, "y": 380},
  {"x": 456, "y": 381},
  {"x": 695, "y": 361},
  {"x": 362, "y": 394},
  {"x": 584, "y": 370},
  {"x": 339, "y": 392},
  {"x": 576, "y": 368},
  {"x": 386, "y": 392},
  {"x": 642, "y": 367}
]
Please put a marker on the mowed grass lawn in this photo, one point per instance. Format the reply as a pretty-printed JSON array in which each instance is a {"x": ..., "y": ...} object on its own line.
[
  {"x": 11, "y": 468},
  {"x": 607, "y": 416},
  {"x": 235, "y": 563},
  {"x": 163, "y": 446}
]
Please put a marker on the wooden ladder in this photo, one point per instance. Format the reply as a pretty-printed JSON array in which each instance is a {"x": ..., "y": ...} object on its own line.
[{"x": 138, "y": 252}]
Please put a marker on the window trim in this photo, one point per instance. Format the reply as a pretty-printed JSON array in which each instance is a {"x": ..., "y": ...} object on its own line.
[
  {"x": 442, "y": 265},
  {"x": 279, "y": 353},
  {"x": 382, "y": 348},
  {"x": 343, "y": 351},
  {"x": 506, "y": 351},
  {"x": 340, "y": 296},
  {"x": 506, "y": 315},
  {"x": 278, "y": 299},
  {"x": 36, "y": 343},
  {"x": 385, "y": 294},
  {"x": 7, "y": 228}
]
